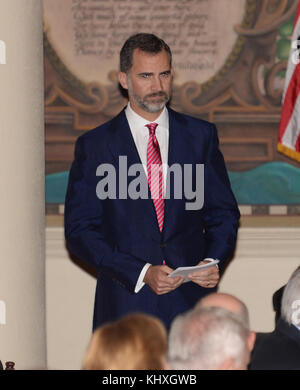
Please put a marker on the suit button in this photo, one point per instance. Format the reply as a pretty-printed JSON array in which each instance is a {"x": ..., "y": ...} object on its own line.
[{"x": 163, "y": 245}]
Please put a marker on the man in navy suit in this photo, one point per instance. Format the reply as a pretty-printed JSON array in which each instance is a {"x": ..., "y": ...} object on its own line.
[{"x": 135, "y": 242}]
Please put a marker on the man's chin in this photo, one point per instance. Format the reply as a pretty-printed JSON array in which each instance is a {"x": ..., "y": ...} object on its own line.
[{"x": 154, "y": 107}]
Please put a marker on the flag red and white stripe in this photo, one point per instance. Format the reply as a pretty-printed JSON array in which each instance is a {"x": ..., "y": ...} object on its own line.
[{"x": 289, "y": 130}]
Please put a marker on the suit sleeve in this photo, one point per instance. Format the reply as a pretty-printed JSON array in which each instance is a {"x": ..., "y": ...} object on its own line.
[
  {"x": 84, "y": 224},
  {"x": 220, "y": 212}
]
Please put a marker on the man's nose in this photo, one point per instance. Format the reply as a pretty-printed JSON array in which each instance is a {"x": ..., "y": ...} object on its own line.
[{"x": 156, "y": 84}]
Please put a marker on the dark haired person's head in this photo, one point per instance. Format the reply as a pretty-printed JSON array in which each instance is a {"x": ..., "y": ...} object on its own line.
[
  {"x": 146, "y": 72},
  {"x": 148, "y": 43}
]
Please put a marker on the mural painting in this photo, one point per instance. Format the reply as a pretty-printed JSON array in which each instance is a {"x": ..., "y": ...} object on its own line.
[{"x": 230, "y": 58}]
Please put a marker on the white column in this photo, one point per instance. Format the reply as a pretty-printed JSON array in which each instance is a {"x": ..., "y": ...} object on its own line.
[{"x": 22, "y": 215}]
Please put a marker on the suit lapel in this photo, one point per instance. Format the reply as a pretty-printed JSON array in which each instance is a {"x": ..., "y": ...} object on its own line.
[
  {"x": 178, "y": 153},
  {"x": 121, "y": 143}
]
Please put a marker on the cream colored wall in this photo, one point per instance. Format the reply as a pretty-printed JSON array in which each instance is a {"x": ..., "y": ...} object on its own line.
[
  {"x": 69, "y": 301},
  {"x": 22, "y": 199},
  {"x": 263, "y": 261}
]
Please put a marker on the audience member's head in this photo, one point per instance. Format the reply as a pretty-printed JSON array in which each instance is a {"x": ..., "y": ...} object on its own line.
[
  {"x": 135, "y": 342},
  {"x": 290, "y": 305},
  {"x": 208, "y": 338},
  {"x": 276, "y": 300},
  {"x": 228, "y": 302}
]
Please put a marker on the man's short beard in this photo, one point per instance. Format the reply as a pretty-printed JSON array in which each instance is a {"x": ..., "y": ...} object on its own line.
[{"x": 152, "y": 107}]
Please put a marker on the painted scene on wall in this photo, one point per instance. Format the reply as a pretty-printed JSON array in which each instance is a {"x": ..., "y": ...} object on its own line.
[{"x": 230, "y": 59}]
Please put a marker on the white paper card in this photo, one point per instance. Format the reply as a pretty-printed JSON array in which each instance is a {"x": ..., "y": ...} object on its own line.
[{"x": 185, "y": 271}]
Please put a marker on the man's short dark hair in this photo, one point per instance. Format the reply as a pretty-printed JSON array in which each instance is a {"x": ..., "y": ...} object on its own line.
[{"x": 148, "y": 43}]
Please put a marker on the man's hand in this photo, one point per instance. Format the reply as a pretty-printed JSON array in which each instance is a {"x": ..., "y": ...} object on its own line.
[
  {"x": 207, "y": 278},
  {"x": 157, "y": 279}
]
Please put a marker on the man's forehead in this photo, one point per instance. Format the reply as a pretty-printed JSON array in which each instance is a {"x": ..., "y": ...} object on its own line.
[
  {"x": 223, "y": 300},
  {"x": 143, "y": 58}
]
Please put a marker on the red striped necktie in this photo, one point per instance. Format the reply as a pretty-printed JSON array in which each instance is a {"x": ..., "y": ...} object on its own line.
[{"x": 155, "y": 174}]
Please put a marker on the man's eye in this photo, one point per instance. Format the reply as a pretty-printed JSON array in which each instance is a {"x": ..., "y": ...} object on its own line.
[
  {"x": 145, "y": 76},
  {"x": 165, "y": 74}
]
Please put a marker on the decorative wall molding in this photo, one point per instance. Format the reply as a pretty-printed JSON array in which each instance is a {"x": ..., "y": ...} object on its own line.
[
  {"x": 268, "y": 243},
  {"x": 263, "y": 242},
  {"x": 55, "y": 243},
  {"x": 247, "y": 210}
]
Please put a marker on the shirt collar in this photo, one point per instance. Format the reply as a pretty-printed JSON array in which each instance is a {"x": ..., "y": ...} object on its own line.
[
  {"x": 296, "y": 326},
  {"x": 136, "y": 121}
]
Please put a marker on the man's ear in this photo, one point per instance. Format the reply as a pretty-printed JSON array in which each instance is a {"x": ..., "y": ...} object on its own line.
[
  {"x": 251, "y": 340},
  {"x": 123, "y": 80}
]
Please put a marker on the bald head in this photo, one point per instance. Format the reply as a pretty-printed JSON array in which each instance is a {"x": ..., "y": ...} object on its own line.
[{"x": 228, "y": 302}]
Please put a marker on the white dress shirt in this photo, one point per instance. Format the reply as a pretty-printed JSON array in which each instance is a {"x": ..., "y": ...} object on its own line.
[{"x": 140, "y": 134}]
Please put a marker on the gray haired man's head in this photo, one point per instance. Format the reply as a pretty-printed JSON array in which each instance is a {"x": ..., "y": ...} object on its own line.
[
  {"x": 290, "y": 304},
  {"x": 228, "y": 302},
  {"x": 209, "y": 338}
]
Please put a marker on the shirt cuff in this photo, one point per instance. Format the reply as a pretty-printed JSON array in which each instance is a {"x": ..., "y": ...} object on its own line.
[{"x": 140, "y": 283}]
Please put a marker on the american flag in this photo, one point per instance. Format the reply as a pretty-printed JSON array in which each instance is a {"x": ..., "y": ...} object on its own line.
[{"x": 289, "y": 130}]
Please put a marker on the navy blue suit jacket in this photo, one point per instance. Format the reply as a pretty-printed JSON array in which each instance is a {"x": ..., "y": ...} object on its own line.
[
  {"x": 119, "y": 236},
  {"x": 278, "y": 350}
]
